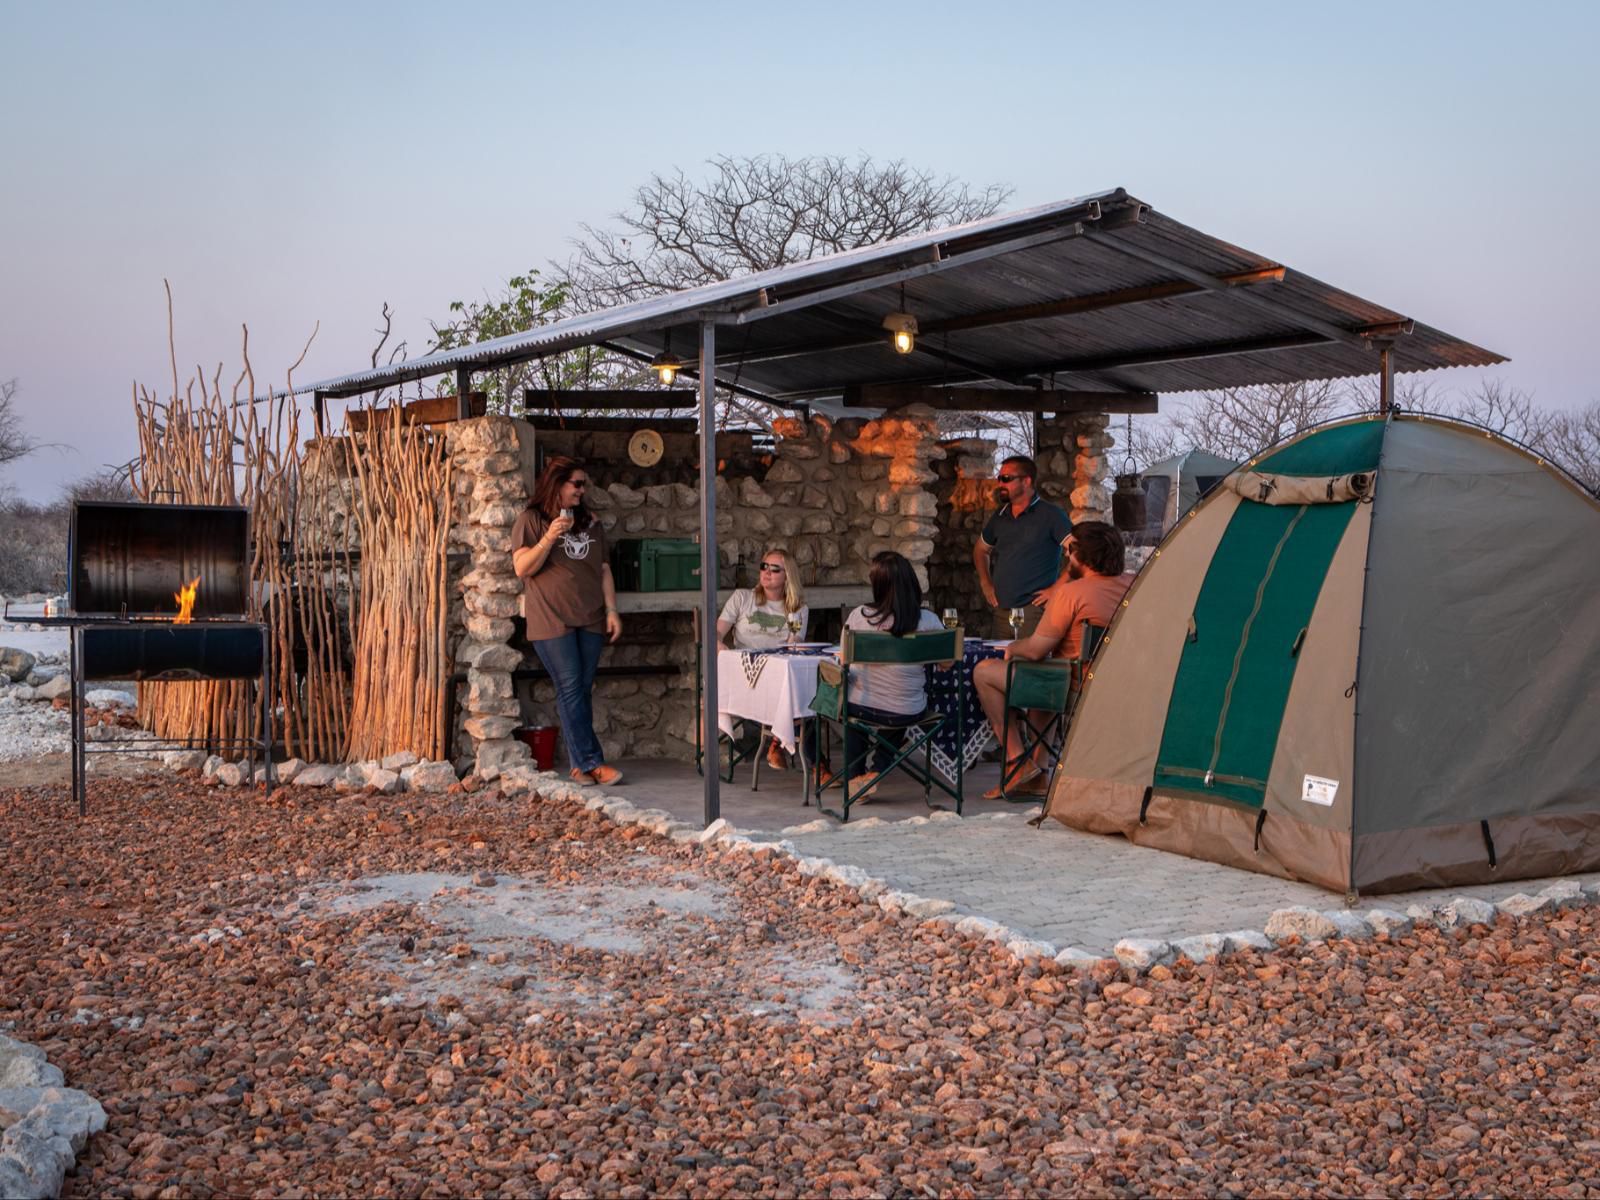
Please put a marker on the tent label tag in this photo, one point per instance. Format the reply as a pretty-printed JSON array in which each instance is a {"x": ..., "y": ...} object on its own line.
[{"x": 1317, "y": 790}]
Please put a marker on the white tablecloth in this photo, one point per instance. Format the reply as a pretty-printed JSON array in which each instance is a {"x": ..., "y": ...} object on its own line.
[{"x": 778, "y": 696}]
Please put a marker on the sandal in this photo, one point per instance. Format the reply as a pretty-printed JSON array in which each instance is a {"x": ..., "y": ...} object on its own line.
[{"x": 1019, "y": 783}]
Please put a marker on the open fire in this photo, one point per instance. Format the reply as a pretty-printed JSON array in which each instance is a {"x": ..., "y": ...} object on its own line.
[{"x": 185, "y": 598}]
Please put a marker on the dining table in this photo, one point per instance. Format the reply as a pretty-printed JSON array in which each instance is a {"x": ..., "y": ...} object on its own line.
[{"x": 774, "y": 688}]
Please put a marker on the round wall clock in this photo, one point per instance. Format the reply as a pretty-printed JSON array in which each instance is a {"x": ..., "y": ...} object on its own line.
[{"x": 645, "y": 448}]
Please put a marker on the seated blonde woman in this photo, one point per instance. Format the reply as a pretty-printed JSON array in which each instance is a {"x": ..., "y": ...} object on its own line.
[{"x": 769, "y": 615}]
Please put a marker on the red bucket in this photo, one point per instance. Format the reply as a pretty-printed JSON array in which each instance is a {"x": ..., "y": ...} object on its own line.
[{"x": 542, "y": 741}]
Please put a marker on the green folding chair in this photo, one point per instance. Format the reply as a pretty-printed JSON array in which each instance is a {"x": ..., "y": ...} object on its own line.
[
  {"x": 1050, "y": 686},
  {"x": 832, "y": 704}
]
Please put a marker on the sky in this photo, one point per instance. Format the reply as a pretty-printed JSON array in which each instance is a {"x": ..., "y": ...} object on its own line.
[{"x": 295, "y": 166}]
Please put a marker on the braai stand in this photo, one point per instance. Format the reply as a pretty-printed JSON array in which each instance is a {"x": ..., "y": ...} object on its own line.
[{"x": 163, "y": 651}]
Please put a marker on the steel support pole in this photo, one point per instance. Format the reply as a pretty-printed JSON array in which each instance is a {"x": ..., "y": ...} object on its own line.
[
  {"x": 1386, "y": 381},
  {"x": 708, "y": 568}
]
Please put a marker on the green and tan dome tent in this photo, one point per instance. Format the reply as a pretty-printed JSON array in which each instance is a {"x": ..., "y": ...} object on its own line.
[{"x": 1370, "y": 660}]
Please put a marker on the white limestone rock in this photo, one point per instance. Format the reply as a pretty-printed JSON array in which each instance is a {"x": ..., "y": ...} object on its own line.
[
  {"x": 848, "y": 876},
  {"x": 52, "y": 689},
  {"x": 105, "y": 697},
  {"x": 398, "y": 761},
  {"x": 1349, "y": 923},
  {"x": 1388, "y": 922},
  {"x": 319, "y": 775},
  {"x": 715, "y": 831},
  {"x": 925, "y": 907},
  {"x": 289, "y": 769},
  {"x": 1563, "y": 893},
  {"x": 431, "y": 777},
  {"x": 1202, "y": 947},
  {"x": 209, "y": 768},
  {"x": 1523, "y": 905},
  {"x": 820, "y": 825},
  {"x": 1027, "y": 948},
  {"x": 944, "y": 816},
  {"x": 1307, "y": 924},
  {"x": 1140, "y": 954},
  {"x": 232, "y": 774},
  {"x": 982, "y": 927},
  {"x": 1078, "y": 960},
  {"x": 1463, "y": 911},
  {"x": 184, "y": 760},
  {"x": 387, "y": 783}
]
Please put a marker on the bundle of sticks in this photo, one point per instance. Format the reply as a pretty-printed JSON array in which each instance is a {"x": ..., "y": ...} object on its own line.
[{"x": 402, "y": 660}]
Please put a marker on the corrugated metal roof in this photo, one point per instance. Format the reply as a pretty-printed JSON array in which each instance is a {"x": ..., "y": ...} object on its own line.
[{"x": 1157, "y": 318}]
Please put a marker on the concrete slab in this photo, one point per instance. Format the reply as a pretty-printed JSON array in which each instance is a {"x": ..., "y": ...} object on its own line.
[{"x": 1050, "y": 884}]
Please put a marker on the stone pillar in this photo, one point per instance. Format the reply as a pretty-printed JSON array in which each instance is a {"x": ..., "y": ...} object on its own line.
[
  {"x": 965, "y": 494},
  {"x": 490, "y": 493},
  {"x": 1072, "y": 463}
]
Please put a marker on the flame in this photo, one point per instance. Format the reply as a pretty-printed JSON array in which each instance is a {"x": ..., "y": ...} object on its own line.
[{"x": 185, "y": 599}]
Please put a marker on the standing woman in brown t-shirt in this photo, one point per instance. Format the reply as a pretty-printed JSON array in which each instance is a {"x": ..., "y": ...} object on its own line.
[{"x": 569, "y": 602}]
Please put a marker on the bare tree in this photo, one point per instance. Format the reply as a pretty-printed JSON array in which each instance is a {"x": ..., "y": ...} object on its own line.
[
  {"x": 14, "y": 443},
  {"x": 1237, "y": 422},
  {"x": 1572, "y": 439},
  {"x": 756, "y": 213}
]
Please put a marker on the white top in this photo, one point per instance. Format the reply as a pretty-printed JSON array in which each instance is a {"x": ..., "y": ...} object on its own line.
[
  {"x": 889, "y": 687},
  {"x": 759, "y": 626}
]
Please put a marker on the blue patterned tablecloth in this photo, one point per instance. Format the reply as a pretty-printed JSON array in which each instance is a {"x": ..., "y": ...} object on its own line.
[{"x": 951, "y": 692}]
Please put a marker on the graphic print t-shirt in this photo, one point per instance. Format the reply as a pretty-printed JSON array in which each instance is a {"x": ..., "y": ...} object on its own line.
[
  {"x": 565, "y": 592},
  {"x": 762, "y": 626}
]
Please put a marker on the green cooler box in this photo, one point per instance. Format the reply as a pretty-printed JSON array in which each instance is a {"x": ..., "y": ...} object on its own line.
[{"x": 656, "y": 565}]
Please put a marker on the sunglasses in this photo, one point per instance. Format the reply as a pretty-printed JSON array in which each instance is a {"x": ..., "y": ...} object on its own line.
[
  {"x": 580, "y": 484},
  {"x": 1008, "y": 478},
  {"x": 772, "y": 566}
]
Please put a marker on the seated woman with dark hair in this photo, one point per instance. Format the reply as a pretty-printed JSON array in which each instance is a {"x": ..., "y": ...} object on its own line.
[{"x": 883, "y": 693}]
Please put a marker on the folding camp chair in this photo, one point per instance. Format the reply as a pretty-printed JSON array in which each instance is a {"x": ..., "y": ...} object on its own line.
[
  {"x": 1050, "y": 686},
  {"x": 832, "y": 704}
]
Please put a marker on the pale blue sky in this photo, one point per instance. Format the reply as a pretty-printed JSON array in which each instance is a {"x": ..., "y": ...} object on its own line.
[{"x": 289, "y": 163}]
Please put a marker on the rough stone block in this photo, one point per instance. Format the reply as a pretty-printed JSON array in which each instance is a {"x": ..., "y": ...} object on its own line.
[
  {"x": 1465, "y": 910},
  {"x": 1307, "y": 924},
  {"x": 924, "y": 907},
  {"x": 398, "y": 761},
  {"x": 1349, "y": 923},
  {"x": 981, "y": 927},
  {"x": 1140, "y": 954},
  {"x": 318, "y": 775},
  {"x": 1388, "y": 922},
  {"x": 1078, "y": 960},
  {"x": 386, "y": 782},
  {"x": 1246, "y": 939},
  {"x": 1202, "y": 948},
  {"x": 184, "y": 760},
  {"x": 1027, "y": 948},
  {"x": 232, "y": 774},
  {"x": 428, "y": 777},
  {"x": 496, "y": 754},
  {"x": 1563, "y": 893},
  {"x": 15, "y": 664}
]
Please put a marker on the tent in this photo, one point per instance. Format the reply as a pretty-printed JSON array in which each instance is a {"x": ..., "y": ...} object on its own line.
[
  {"x": 1174, "y": 485},
  {"x": 1370, "y": 661}
]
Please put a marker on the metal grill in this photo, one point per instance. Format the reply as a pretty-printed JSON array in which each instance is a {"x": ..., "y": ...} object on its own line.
[{"x": 126, "y": 562}]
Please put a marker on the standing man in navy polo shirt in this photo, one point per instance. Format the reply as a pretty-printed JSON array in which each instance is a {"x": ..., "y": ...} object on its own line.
[{"x": 1018, "y": 555}]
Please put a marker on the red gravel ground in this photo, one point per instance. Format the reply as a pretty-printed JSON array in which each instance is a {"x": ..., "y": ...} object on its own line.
[{"x": 315, "y": 1052}]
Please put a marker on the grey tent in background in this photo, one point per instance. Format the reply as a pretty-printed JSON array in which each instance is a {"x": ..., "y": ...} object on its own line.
[
  {"x": 1174, "y": 485},
  {"x": 1369, "y": 660}
]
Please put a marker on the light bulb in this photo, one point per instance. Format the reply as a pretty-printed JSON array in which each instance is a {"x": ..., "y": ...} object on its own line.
[
  {"x": 668, "y": 374},
  {"x": 904, "y": 342}
]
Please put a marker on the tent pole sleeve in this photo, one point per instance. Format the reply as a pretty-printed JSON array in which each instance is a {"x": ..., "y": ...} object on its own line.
[{"x": 708, "y": 565}]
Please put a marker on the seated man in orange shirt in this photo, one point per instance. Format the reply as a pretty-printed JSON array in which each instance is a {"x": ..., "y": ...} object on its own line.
[{"x": 1090, "y": 588}]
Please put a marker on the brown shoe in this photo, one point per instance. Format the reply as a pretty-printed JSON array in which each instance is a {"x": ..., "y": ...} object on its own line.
[
  {"x": 606, "y": 776},
  {"x": 582, "y": 778},
  {"x": 777, "y": 758}
]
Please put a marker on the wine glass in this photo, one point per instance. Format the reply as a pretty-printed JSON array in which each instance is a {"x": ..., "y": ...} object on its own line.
[
  {"x": 794, "y": 627},
  {"x": 1017, "y": 617},
  {"x": 951, "y": 618}
]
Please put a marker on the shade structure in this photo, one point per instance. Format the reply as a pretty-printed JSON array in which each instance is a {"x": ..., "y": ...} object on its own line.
[{"x": 1370, "y": 661}]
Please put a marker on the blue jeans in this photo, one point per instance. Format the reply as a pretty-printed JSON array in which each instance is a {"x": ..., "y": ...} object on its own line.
[
  {"x": 571, "y": 660},
  {"x": 858, "y": 744}
]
